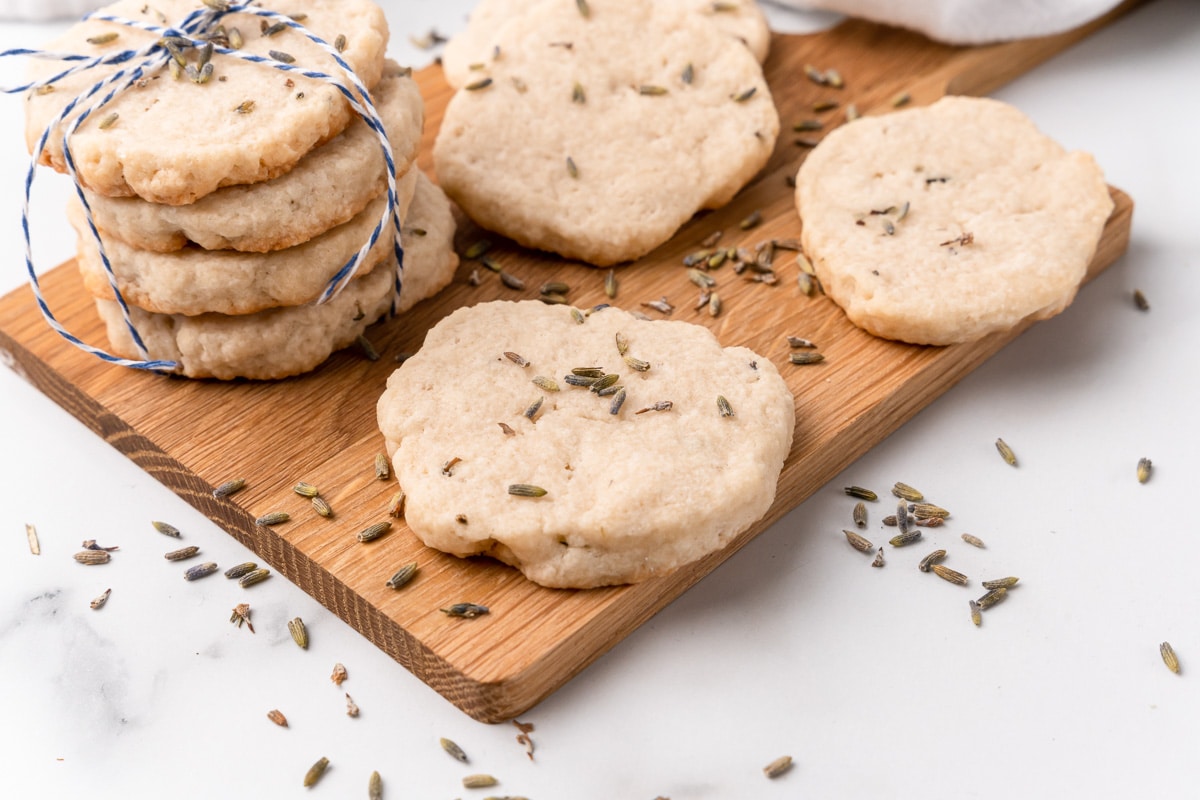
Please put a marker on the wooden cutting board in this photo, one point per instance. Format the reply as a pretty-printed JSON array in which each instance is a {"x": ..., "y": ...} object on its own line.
[{"x": 320, "y": 428}]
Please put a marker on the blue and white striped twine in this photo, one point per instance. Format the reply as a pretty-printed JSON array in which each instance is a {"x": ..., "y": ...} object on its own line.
[{"x": 149, "y": 60}]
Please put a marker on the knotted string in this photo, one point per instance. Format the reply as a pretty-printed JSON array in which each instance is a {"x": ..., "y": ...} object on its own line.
[{"x": 191, "y": 32}]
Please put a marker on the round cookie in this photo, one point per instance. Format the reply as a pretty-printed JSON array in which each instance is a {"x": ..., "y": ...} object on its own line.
[
  {"x": 326, "y": 188},
  {"x": 600, "y": 150},
  {"x": 195, "y": 281},
  {"x": 474, "y": 47},
  {"x": 943, "y": 224},
  {"x": 628, "y": 495},
  {"x": 175, "y": 140},
  {"x": 287, "y": 341}
]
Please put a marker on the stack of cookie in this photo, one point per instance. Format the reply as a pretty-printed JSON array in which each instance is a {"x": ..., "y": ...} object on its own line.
[
  {"x": 596, "y": 129},
  {"x": 227, "y": 194}
]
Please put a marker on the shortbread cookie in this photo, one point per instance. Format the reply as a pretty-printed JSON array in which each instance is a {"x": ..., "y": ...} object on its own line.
[
  {"x": 328, "y": 187},
  {"x": 195, "y": 281},
  {"x": 599, "y": 136},
  {"x": 176, "y": 140},
  {"x": 288, "y": 341},
  {"x": 469, "y": 53},
  {"x": 666, "y": 479},
  {"x": 943, "y": 224}
]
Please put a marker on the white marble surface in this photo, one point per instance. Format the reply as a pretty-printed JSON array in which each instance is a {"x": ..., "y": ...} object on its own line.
[{"x": 873, "y": 680}]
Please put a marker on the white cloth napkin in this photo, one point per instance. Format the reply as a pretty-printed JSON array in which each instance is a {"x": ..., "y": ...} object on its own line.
[{"x": 969, "y": 21}]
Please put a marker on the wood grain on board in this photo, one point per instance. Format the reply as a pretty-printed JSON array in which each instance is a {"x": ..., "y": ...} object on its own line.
[{"x": 320, "y": 428}]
